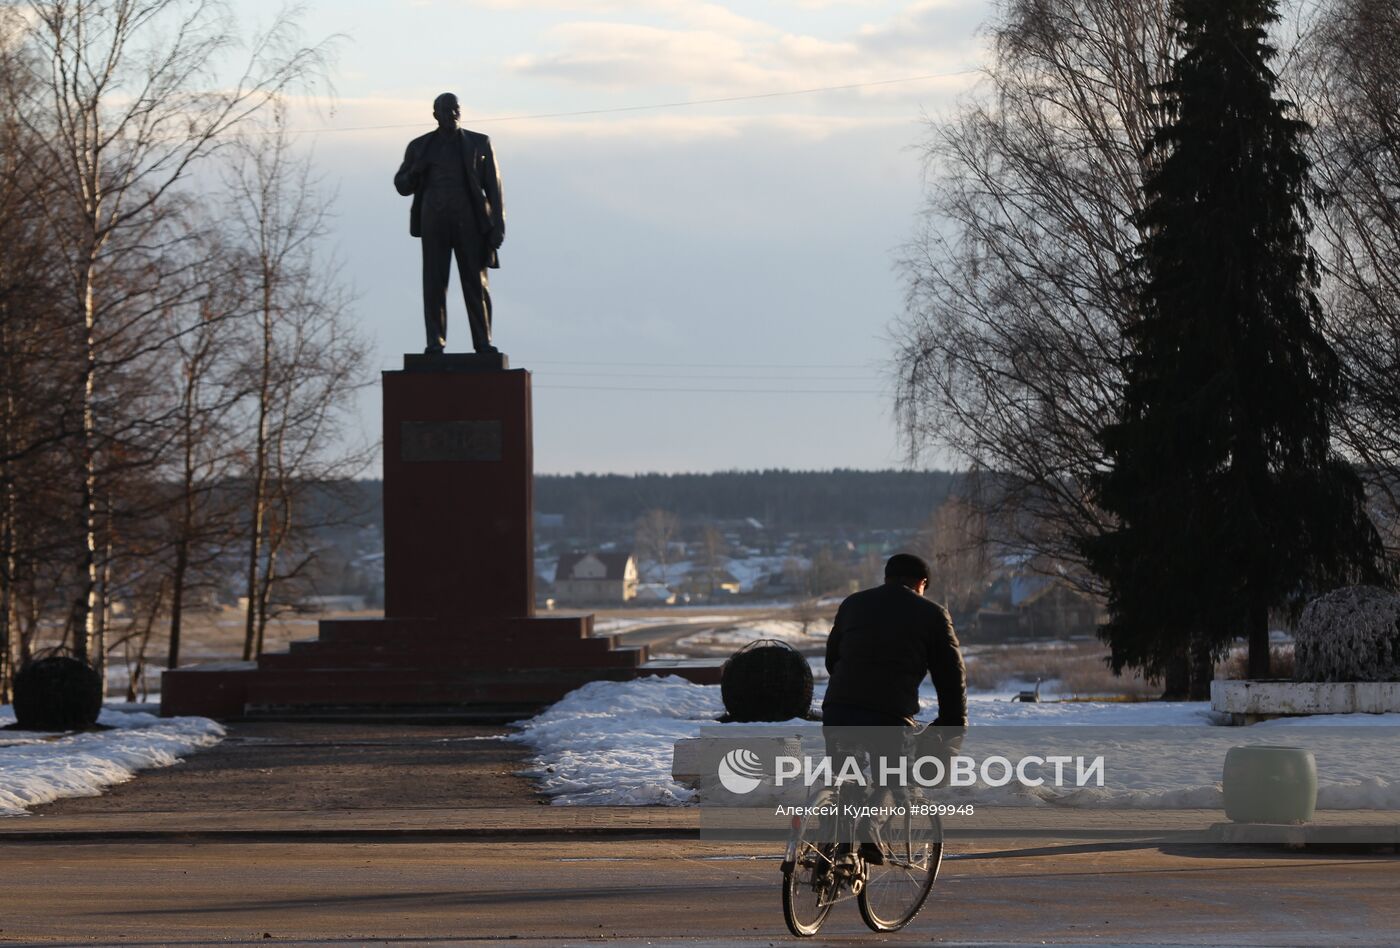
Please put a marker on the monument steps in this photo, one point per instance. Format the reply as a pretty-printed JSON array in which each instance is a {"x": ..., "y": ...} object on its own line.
[
  {"x": 557, "y": 628},
  {"x": 234, "y": 690},
  {"x": 503, "y": 655},
  {"x": 527, "y": 687},
  {"x": 433, "y": 714}
]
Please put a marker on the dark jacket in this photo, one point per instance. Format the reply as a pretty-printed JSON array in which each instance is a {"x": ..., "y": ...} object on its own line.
[
  {"x": 483, "y": 185},
  {"x": 882, "y": 644}
]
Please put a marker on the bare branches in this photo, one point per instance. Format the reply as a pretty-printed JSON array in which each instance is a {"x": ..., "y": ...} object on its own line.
[
  {"x": 136, "y": 97},
  {"x": 305, "y": 361},
  {"x": 1010, "y": 352},
  {"x": 1353, "y": 98},
  {"x": 107, "y": 106}
]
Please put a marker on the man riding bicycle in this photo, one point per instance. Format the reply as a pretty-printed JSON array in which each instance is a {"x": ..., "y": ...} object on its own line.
[{"x": 883, "y": 642}]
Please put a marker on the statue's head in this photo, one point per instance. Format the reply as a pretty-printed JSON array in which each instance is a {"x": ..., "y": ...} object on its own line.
[{"x": 446, "y": 110}]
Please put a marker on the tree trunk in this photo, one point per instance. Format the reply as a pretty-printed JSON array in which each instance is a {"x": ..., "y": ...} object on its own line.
[
  {"x": 136, "y": 679},
  {"x": 7, "y": 519},
  {"x": 31, "y": 629},
  {"x": 1258, "y": 639},
  {"x": 177, "y": 602},
  {"x": 250, "y": 624},
  {"x": 182, "y": 545},
  {"x": 8, "y": 629},
  {"x": 1177, "y": 684},
  {"x": 276, "y": 537},
  {"x": 264, "y": 599},
  {"x": 252, "y": 629},
  {"x": 85, "y": 607},
  {"x": 102, "y": 613},
  {"x": 1202, "y": 669}
]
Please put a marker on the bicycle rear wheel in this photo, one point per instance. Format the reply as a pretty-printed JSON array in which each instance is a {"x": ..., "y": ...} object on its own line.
[
  {"x": 894, "y": 892},
  {"x": 809, "y": 886}
]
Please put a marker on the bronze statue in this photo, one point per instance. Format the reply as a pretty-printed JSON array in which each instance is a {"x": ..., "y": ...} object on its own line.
[{"x": 456, "y": 190}]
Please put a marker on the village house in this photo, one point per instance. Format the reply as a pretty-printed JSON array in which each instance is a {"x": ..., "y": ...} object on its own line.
[
  {"x": 1036, "y": 607},
  {"x": 595, "y": 578}
]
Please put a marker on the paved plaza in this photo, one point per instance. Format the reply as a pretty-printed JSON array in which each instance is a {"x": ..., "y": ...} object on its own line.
[{"x": 365, "y": 834}]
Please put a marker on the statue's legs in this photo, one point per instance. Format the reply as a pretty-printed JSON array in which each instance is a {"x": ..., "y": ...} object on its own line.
[
  {"x": 437, "y": 263},
  {"x": 471, "y": 269},
  {"x": 446, "y": 229}
]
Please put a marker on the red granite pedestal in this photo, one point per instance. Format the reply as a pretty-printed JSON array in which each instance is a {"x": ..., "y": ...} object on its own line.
[{"x": 459, "y": 632}]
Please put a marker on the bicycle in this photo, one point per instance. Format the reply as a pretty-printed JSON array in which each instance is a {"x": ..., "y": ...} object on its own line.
[{"x": 823, "y": 864}]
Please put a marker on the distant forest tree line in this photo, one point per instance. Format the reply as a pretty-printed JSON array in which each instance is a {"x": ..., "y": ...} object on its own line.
[{"x": 779, "y": 499}]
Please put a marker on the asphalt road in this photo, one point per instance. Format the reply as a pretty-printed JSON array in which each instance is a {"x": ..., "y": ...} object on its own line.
[
  {"x": 665, "y": 891},
  {"x": 663, "y": 635}
]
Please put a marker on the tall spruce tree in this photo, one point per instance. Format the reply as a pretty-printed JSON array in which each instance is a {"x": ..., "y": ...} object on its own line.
[{"x": 1227, "y": 496}]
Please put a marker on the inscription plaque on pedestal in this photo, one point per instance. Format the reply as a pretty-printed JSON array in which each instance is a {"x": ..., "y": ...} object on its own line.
[{"x": 450, "y": 441}]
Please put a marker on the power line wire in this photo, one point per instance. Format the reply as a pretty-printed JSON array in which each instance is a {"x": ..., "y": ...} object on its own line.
[
  {"x": 683, "y": 103},
  {"x": 700, "y": 365},
  {"x": 713, "y": 391},
  {"x": 711, "y": 377}
]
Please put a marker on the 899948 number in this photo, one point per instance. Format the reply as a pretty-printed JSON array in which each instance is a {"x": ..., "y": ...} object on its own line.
[{"x": 941, "y": 809}]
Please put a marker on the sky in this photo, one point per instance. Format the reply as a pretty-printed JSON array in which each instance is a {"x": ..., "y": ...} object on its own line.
[{"x": 695, "y": 287}]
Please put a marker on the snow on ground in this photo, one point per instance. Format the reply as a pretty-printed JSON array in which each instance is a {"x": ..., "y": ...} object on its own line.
[
  {"x": 613, "y": 625},
  {"x": 751, "y": 571},
  {"x": 610, "y": 743},
  {"x": 37, "y": 768}
]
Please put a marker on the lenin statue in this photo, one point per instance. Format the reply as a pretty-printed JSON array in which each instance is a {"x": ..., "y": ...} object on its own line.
[{"x": 456, "y": 188}]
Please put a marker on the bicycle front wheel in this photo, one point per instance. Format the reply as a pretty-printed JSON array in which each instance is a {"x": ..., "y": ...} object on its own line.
[{"x": 894, "y": 892}]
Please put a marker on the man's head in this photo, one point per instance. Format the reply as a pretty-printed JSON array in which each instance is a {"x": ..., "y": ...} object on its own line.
[
  {"x": 446, "y": 110},
  {"x": 909, "y": 570}
]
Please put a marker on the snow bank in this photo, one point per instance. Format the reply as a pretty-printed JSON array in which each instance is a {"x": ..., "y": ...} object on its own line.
[
  {"x": 610, "y": 743},
  {"x": 38, "y": 768}
]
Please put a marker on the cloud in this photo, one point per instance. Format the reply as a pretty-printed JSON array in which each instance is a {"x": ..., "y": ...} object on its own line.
[
  {"x": 660, "y": 51},
  {"x": 627, "y": 55},
  {"x": 828, "y": 4},
  {"x": 922, "y": 26},
  {"x": 699, "y": 47},
  {"x": 671, "y": 129},
  {"x": 691, "y": 13}
]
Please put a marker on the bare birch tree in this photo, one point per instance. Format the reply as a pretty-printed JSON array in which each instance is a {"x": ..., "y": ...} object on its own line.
[
  {"x": 712, "y": 556},
  {"x": 1010, "y": 353},
  {"x": 958, "y": 547},
  {"x": 35, "y": 367},
  {"x": 656, "y": 531},
  {"x": 1351, "y": 90},
  {"x": 307, "y": 361},
  {"x": 203, "y": 372},
  {"x": 128, "y": 98}
]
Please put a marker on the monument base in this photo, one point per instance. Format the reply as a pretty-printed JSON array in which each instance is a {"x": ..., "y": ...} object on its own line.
[
  {"x": 460, "y": 630},
  {"x": 412, "y": 667}
]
